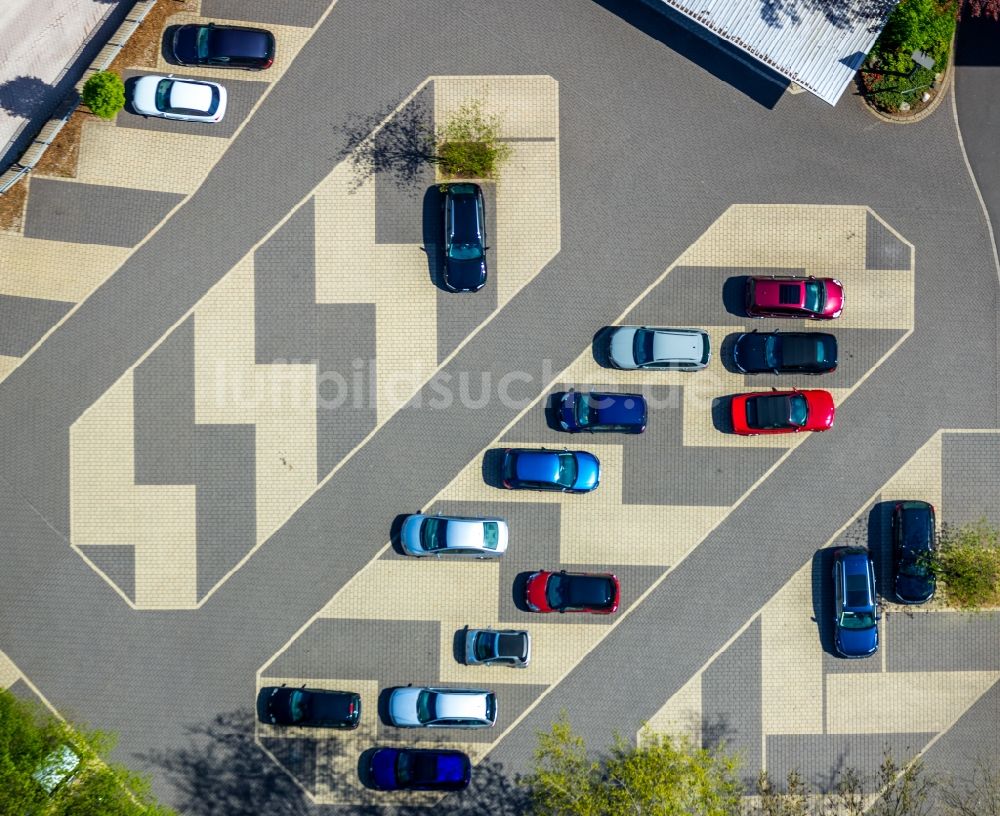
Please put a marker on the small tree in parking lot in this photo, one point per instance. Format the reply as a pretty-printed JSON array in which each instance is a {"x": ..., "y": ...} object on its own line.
[
  {"x": 968, "y": 563},
  {"x": 469, "y": 144},
  {"x": 104, "y": 94}
]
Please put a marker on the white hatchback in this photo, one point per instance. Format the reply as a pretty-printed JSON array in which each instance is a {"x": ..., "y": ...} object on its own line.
[
  {"x": 632, "y": 347},
  {"x": 190, "y": 100},
  {"x": 454, "y": 535}
]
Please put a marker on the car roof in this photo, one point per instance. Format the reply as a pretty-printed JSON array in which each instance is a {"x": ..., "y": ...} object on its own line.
[
  {"x": 590, "y": 590},
  {"x": 537, "y": 465},
  {"x": 195, "y": 96},
  {"x": 460, "y": 704},
  {"x": 686, "y": 345},
  {"x": 619, "y": 409},
  {"x": 466, "y": 532},
  {"x": 512, "y": 644},
  {"x": 240, "y": 42}
]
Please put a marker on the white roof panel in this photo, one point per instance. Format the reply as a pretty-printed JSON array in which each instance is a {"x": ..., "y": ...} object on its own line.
[{"x": 817, "y": 46}]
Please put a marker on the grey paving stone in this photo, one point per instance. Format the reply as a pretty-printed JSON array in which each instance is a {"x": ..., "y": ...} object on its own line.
[
  {"x": 163, "y": 410},
  {"x": 225, "y": 472},
  {"x": 117, "y": 561},
  {"x": 700, "y": 296},
  {"x": 93, "y": 213},
  {"x": 241, "y": 94},
  {"x": 260, "y": 12},
  {"x": 458, "y": 315},
  {"x": 943, "y": 641},
  {"x": 883, "y": 250},
  {"x": 970, "y": 489},
  {"x": 820, "y": 759},
  {"x": 407, "y": 205},
  {"x": 298, "y": 756},
  {"x": 290, "y": 327},
  {"x": 24, "y": 320},
  {"x": 23, "y": 691},
  {"x": 731, "y": 699}
]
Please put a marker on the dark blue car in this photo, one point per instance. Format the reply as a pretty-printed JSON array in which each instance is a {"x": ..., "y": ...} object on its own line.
[
  {"x": 913, "y": 534},
  {"x": 567, "y": 471},
  {"x": 785, "y": 352},
  {"x": 856, "y": 611},
  {"x": 464, "y": 219},
  {"x": 600, "y": 413},
  {"x": 419, "y": 769}
]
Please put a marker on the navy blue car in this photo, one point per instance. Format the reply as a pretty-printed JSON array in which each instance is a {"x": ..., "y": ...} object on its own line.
[
  {"x": 464, "y": 219},
  {"x": 567, "y": 471},
  {"x": 419, "y": 769},
  {"x": 600, "y": 413},
  {"x": 785, "y": 352},
  {"x": 913, "y": 539},
  {"x": 856, "y": 610},
  {"x": 223, "y": 46}
]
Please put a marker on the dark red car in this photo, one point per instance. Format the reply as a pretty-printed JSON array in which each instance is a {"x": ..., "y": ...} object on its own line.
[
  {"x": 572, "y": 592},
  {"x": 774, "y": 412},
  {"x": 811, "y": 298}
]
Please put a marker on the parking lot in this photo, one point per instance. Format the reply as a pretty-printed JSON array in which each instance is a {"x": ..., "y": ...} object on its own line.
[{"x": 225, "y": 386}]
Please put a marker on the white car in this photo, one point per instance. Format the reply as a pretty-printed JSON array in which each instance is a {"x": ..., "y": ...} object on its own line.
[
  {"x": 190, "y": 100},
  {"x": 634, "y": 347},
  {"x": 454, "y": 535},
  {"x": 442, "y": 708}
]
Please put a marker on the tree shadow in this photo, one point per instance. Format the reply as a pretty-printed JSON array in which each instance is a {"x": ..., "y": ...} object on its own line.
[
  {"x": 399, "y": 149},
  {"x": 26, "y": 96},
  {"x": 842, "y": 14},
  {"x": 492, "y": 792}
]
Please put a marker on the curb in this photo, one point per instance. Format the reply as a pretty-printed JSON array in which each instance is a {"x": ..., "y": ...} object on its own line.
[{"x": 946, "y": 87}]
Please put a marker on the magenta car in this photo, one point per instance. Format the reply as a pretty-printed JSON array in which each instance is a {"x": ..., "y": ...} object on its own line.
[{"x": 810, "y": 298}]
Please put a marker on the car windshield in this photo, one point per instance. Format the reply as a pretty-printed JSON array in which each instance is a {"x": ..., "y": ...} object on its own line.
[
  {"x": 434, "y": 535},
  {"x": 815, "y": 296},
  {"x": 798, "y": 410},
  {"x": 483, "y": 647},
  {"x": 586, "y": 413},
  {"x": 856, "y": 620},
  {"x": 772, "y": 348},
  {"x": 426, "y": 711},
  {"x": 643, "y": 346},
  {"x": 567, "y": 470},
  {"x": 298, "y": 705},
  {"x": 404, "y": 767},
  {"x": 555, "y": 591},
  {"x": 465, "y": 252},
  {"x": 916, "y": 567},
  {"x": 491, "y": 535},
  {"x": 203, "y": 34}
]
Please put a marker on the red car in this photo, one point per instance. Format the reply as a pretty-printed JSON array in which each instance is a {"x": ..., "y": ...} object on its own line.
[
  {"x": 571, "y": 592},
  {"x": 812, "y": 298},
  {"x": 773, "y": 412}
]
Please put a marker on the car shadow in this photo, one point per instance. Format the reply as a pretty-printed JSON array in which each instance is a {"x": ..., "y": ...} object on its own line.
[
  {"x": 726, "y": 356},
  {"x": 493, "y": 467},
  {"x": 552, "y": 410},
  {"x": 383, "y": 704},
  {"x": 601, "y": 346},
  {"x": 364, "y": 765},
  {"x": 722, "y": 414},
  {"x": 458, "y": 645},
  {"x": 822, "y": 597},
  {"x": 261, "y": 705},
  {"x": 734, "y": 295},
  {"x": 432, "y": 235},
  {"x": 395, "y": 530},
  {"x": 880, "y": 548},
  {"x": 129, "y": 94},
  {"x": 517, "y": 588}
]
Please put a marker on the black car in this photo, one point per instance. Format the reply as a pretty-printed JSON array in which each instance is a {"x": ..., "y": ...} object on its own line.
[
  {"x": 223, "y": 46},
  {"x": 913, "y": 544},
  {"x": 602, "y": 413},
  {"x": 464, "y": 219},
  {"x": 315, "y": 707},
  {"x": 785, "y": 353}
]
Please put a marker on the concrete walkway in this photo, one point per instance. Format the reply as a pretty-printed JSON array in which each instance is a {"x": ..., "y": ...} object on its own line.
[{"x": 44, "y": 46}]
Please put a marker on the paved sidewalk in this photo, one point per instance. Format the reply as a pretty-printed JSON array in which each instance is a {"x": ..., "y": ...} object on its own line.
[{"x": 44, "y": 48}]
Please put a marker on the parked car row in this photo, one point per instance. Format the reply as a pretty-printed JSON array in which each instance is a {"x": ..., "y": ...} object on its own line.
[
  {"x": 856, "y": 606},
  {"x": 211, "y": 46}
]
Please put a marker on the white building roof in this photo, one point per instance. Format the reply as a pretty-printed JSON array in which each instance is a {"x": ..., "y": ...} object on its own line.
[{"x": 817, "y": 45}]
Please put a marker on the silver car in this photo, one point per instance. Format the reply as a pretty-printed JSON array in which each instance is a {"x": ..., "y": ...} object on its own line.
[
  {"x": 454, "y": 535},
  {"x": 442, "y": 708},
  {"x": 507, "y": 647},
  {"x": 632, "y": 347}
]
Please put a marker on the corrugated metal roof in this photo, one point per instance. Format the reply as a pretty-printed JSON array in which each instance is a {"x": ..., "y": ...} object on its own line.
[{"x": 818, "y": 44}]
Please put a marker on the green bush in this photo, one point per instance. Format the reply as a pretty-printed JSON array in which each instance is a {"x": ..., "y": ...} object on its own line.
[
  {"x": 968, "y": 563},
  {"x": 104, "y": 94},
  {"x": 889, "y": 75},
  {"x": 469, "y": 145}
]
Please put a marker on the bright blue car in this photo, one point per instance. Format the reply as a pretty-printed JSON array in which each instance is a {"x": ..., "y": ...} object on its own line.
[
  {"x": 419, "y": 769},
  {"x": 567, "y": 471},
  {"x": 596, "y": 412},
  {"x": 856, "y": 611}
]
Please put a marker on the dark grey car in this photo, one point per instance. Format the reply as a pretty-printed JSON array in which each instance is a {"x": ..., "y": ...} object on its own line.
[
  {"x": 508, "y": 647},
  {"x": 464, "y": 222}
]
